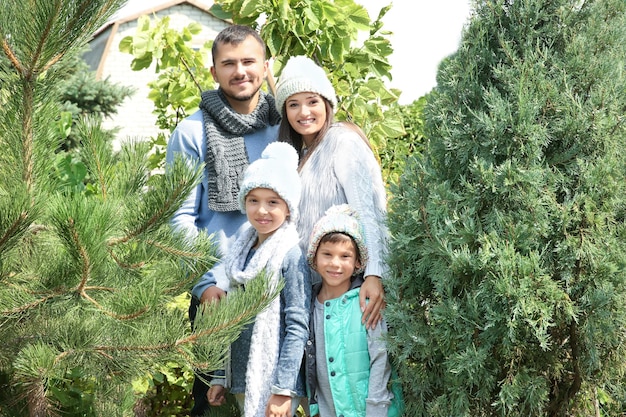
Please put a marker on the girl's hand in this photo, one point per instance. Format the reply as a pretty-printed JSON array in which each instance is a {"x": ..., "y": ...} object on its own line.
[
  {"x": 216, "y": 395},
  {"x": 278, "y": 406}
]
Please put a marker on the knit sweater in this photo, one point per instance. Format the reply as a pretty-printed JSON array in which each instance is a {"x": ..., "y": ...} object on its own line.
[{"x": 343, "y": 170}]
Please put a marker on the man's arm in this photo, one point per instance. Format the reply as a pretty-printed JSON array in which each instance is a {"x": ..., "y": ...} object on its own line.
[{"x": 187, "y": 141}]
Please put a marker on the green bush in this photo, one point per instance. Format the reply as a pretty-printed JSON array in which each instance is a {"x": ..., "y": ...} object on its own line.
[{"x": 508, "y": 294}]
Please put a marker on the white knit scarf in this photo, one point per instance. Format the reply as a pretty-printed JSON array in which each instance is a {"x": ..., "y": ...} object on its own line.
[{"x": 264, "y": 345}]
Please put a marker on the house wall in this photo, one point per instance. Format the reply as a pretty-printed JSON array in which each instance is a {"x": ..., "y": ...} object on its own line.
[{"x": 134, "y": 117}]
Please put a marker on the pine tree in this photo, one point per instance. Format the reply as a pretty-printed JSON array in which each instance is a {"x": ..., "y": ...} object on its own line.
[
  {"x": 88, "y": 280},
  {"x": 82, "y": 94},
  {"x": 508, "y": 295}
]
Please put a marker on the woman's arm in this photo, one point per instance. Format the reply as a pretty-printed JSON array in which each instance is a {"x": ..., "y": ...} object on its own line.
[{"x": 361, "y": 180}]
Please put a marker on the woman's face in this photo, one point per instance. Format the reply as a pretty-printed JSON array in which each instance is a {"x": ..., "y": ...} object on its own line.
[{"x": 306, "y": 113}]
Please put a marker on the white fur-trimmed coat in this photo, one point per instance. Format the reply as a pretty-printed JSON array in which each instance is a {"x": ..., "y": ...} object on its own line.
[{"x": 343, "y": 170}]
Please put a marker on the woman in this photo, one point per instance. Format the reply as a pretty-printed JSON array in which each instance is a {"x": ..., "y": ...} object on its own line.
[{"x": 337, "y": 166}]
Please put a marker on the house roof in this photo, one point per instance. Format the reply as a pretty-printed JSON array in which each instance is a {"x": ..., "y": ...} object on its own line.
[
  {"x": 103, "y": 37},
  {"x": 133, "y": 9}
]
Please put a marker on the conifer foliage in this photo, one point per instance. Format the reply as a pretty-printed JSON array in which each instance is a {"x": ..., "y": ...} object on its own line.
[
  {"x": 508, "y": 295},
  {"x": 88, "y": 280}
]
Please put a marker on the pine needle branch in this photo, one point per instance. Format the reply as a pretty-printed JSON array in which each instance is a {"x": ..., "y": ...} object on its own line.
[
  {"x": 174, "y": 251},
  {"x": 84, "y": 256},
  {"x": 123, "y": 264},
  {"x": 13, "y": 230},
  {"x": 168, "y": 205},
  {"x": 99, "y": 171},
  {"x": 14, "y": 60},
  {"x": 33, "y": 72},
  {"x": 112, "y": 314},
  {"x": 29, "y": 306}
]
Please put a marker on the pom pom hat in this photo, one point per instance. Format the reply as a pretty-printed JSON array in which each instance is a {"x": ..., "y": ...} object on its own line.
[
  {"x": 338, "y": 219},
  {"x": 277, "y": 170},
  {"x": 300, "y": 75}
]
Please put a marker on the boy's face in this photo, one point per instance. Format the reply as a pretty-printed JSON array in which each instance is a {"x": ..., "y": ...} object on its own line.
[
  {"x": 266, "y": 211},
  {"x": 336, "y": 263}
]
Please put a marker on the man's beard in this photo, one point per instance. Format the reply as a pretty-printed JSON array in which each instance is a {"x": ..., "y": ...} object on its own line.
[{"x": 242, "y": 98}]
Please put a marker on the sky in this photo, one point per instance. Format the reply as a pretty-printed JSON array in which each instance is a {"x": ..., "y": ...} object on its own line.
[{"x": 424, "y": 32}]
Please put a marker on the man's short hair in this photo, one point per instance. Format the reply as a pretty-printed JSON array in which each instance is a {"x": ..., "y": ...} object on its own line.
[{"x": 234, "y": 35}]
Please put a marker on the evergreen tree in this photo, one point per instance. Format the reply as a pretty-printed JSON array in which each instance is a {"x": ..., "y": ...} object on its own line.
[
  {"x": 83, "y": 95},
  {"x": 508, "y": 295},
  {"x": 88, "y": 280}
]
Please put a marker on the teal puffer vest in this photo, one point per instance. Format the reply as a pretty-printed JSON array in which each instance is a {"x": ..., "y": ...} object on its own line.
[{"x": 348, "y": 357}]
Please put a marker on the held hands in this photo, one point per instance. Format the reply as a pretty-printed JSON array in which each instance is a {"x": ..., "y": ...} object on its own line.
[
  {"x": 216, "y": 395},
  {"x": 372, "y": 289},
  {"x": 278, "y": 406},
  {"x": 211, "y": 294}
]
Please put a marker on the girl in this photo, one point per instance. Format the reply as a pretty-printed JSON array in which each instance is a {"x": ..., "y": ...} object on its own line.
[{"x": 266, "y": 359}]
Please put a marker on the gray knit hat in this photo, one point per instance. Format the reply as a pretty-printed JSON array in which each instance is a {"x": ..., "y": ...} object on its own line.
[
  {"x": 300, "y": 75},
  {"x": 276, "y": 169},
  {"x": 338, "y": 219}
]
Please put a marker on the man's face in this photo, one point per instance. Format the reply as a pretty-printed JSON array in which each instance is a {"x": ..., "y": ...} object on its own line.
[{"x": 240, "y": 71}]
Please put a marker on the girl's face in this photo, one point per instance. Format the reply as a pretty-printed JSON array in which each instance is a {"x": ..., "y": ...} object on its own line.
[
  {"x": 336, "y": 263},
  {"x": 306, "y": 113},
  {"x": 266, "y": 211}
]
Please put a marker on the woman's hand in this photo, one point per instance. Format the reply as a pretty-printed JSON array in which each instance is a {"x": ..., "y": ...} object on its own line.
[{"x": 372, "y": 290}]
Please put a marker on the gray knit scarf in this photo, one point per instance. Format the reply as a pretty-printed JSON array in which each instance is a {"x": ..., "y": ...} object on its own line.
[{"x": 226, "y": 156}]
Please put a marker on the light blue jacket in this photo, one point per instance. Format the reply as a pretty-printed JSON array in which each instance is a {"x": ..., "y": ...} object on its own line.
[{"x": 188, "y": 140}]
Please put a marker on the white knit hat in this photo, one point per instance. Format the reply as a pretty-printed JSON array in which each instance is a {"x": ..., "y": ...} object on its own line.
[
  {"x": 276, "y": 169},
  {"x": 300, "y": 75},
  {"x": 338, "y": 219}
]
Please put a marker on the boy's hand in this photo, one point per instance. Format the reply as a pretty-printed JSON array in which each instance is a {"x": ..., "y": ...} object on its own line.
[{"x": 372, "y": 289}]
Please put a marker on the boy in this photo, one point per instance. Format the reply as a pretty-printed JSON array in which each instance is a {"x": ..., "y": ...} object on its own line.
[{"x": 348, "y": 371}]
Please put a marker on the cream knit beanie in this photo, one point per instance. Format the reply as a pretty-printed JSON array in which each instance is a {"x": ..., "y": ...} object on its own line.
[
  {"x": 300, "y": 75},
  {"x": 338, "y": 219},
  {"x": 276, "y": 169}
]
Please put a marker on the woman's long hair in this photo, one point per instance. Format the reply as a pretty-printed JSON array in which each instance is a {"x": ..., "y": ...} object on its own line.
[{"x": 286, "y": 133}]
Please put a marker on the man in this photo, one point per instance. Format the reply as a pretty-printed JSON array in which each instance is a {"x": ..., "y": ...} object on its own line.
[{"x": 232, "y": 127}]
